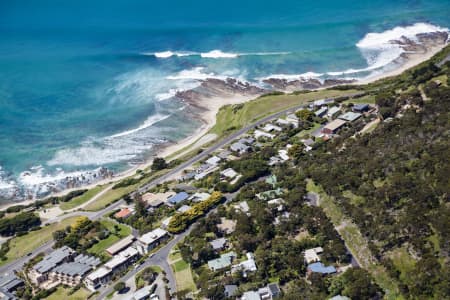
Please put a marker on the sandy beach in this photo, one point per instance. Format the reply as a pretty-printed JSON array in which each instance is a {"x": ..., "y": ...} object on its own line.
[{"x": 207, "y": 109}]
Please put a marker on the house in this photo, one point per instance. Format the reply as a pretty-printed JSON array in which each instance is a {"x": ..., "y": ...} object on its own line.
[
  {"x": 269, "y": 195},
  {"x": 264, "y": 293},
  {"x": 274, "y": 290},
  {"x": 219, "y": 244},
  {"x": 339, "y": 297},
  {"x": 283, "y": 154},
  {"x": 120, "y": 245},
  {"x": 308, "y": 143},
  {"x": 184, "y": 208},
  {"x": 225, "y": 154},
  {"x": 230, "y": 290},
  {"x": 270, "y": 127},
  {"x": 360, "y": 107},
  {"x": 178, "y": 198},
  {"x": 318, "y": 267},
  {"x": 275, "y": 160},
  {"x": 276, "y": 202},
  {"x": 123, "y": 213},
  {"x": 283, "y": 122},
  {"x": 165, "y": 223},
  {"x": 350, "y": 116},
  {"x": 226, "y": 226},
  {"x": 222, "y": 262},
  {"x": 321, "y": 112},
  {"x": 293, "y": 119},
  {"x": 143, "y": 293},
  {"x": 122, "y": 260},
  {"x": 258, "y": 133},
  {"x": 10, "y": 282},
  {"x": 248, "y": 265},
  {"x": 242, "y": 206},
  {"x": 72, "y": 273},
  {"x": 272, "y": 180},
  {"x": 333, "y": 111},
  {"x": 213, "y": 161},
  {"x": 250, "y": 295},
  {"x": 229, "y": 173},
  {"x": 151, "y": 239},
  {"x": 322, "y": 102},
  {"x": 239, "y": 148},
  {"x": 333, "y": 126},
  {"x": 199, "y": 197},
  {"x": 39, "y": 272},
  {"x": 312, "y": 255},
  {"x": 155, "y": 200},
  {"x": 99, "y": 277}
]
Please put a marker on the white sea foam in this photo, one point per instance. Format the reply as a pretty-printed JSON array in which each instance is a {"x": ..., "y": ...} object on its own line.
[
  {"x": 218, "y": 54},
  {"x": 211, "y": 54},
  {"x": 384, "y": 48},
  {"x": 152, "y": 120},
  {"x": 303, "y": 76},
  {"x": 167, "y": 54},
  {"x": 194, "y": 74}
]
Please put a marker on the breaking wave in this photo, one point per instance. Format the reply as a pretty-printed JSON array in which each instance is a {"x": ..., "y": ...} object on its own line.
[{"x": 215, "y": 54}]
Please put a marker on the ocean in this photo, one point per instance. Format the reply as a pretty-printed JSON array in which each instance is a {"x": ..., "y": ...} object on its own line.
[{"x": 91, "y": 84}]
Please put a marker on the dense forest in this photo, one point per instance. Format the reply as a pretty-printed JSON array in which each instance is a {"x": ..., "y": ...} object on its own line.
[{"x": 394, "y": 182}]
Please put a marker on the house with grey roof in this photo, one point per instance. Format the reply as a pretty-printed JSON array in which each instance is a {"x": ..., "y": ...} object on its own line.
[
  {"x": 230, "y": 290},
  {"x": 72, "y": 273},
  {"x": 39, "y": 272},
  {"x": 10, "y": 282},
  {"x": 222, "y": 262},
  {"x": 219, "y": 244},
  {"x": 350, "y": 116}
]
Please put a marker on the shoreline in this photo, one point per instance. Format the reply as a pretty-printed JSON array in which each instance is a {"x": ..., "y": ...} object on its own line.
[{"x": 208, "y": 109}]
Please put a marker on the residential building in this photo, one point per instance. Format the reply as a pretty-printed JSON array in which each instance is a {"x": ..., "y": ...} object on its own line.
[
  {"x": 122, "y": 260},
  {"x": 339, "y": 297},
  {"x": 272, "y": 180},
  {"x": 155, "y": 200},
  {"x": 269, "y": 195},
  {"x": 360, "y": 107},
  {"x": 222, "y": 262},
  {"x": 230, "y": 290},
  {"x": 333, "y": 111},
  {"x": 333, "y": 126},
  {"x": 39, "y": 272},
  {"x": 242, "y": 206},
  {"x": 225, "y": 154},
  {"x": 323, "y": 102},
  {"x": 274, "y": 290},
  {"x": 239, "y": 148},
  {"x": 99, "y": 277},
  {"x": 123, "y": 213},
  {"x": 270, "y": 127},
  {"x": 312, "y": 255},
  {"x": 143, "y": 293},
  {"x": 227, "y": 226},
  {"x": 219, "y": 244},
  {"x": 229, "y": 173},
  {"x": 308, "y": 143},
  {"x": 321, "y": 112},
  {"x": 183, "y": 208},
  {"x": 72, "y": 273},
  {"x": 151, "y": 239},
  {"x": 293, "y": 119},
  {"x": 283, "y": 154},
  {"x": 165, "y": 223},
  {"x": 178, "y": 198},
  {"x": 318, "y": 267},
  {"x": 120, "y": 245},
  {"x": 275, "y": 160},
  {"x": 199, "y": 197},
  {"x": 213, "y": 161},
  {"x": 350, "y": 116},
  {"x": 10, "y": 282},
  {"x": 264, "y": 293},
  {"x": 259, "y": 133},
  {"x": 283, "y": 122},
  {"x": 250, "y": 295},
  {"x": 248, "y": 265}
]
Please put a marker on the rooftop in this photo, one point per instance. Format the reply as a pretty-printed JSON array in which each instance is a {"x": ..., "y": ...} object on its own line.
[
  {"x": 120, "y": 245},
  {"x": 142, "y": 293},
  {"x": 53, "y": 259},
  {"x": 123, "y": 213},
  {"x": 226, "y": 225},
  {"x": 214, "y": 160},
  {"x": 156, "y": 199},
  {"x": 152, "y": 236},
  {"x": 334, "y": 125},
  {"x": 73, "y": 269},
  {"x": 230, "y": 173},
  {"x": 199, "y": 197},
  {"x": 218, "y": 244},
  {"x": 251, "y": 295},
  {"x": 350, "y": 116},
  {"x": 184, "y": 208},
  {"x": 121, "y": 258},
  {"x": 180, "y": 197},
  {"x": 99, "y": 273},
  {"x": 222, "y": 262},
  {"x": 318, "y": 267}
]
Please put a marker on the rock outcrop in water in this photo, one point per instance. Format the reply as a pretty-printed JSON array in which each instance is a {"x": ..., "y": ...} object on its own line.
[{"x": 286, "y": 85}]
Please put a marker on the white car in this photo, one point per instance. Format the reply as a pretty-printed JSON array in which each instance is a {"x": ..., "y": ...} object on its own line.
[{"x": 154, "y": 297}]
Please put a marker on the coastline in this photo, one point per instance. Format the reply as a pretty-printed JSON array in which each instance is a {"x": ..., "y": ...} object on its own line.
[{"x": 208, "y": 107}]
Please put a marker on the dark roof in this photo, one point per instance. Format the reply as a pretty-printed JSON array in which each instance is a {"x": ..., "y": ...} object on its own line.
[
  {"x": 360, "y": 106},
  {"x": 9, "y": 282},
  {"x": 274, "y": 289},
  {"x": 53, "y": 259},
  {"x": 180, "y": 197},
  {"x": 73, "y": 269}
]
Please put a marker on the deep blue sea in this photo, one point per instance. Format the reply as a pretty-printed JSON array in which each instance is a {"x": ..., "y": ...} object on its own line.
[{"x": 85, "y": 84}]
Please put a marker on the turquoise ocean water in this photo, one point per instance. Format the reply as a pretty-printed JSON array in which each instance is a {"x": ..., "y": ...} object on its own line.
[{"x": 85, "y": 84}]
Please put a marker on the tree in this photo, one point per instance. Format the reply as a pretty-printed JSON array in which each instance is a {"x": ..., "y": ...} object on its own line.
[
  {"x": 305, "y": 115},
  {"x": 119, "y": 286},
  {"x": 159, "y": 163}
]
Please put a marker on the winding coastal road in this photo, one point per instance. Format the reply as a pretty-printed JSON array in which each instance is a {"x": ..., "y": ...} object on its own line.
[{"x": 160, "y": 257}]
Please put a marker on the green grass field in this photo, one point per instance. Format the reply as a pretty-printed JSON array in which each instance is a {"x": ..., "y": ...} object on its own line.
[
  {"x": 112, "y": 238},
  {"x": 20, "y": 246},
  {"x": 233, "y": 117},
  {"x": 110, "y": 197},
  {"x": 369, "y": 99},
  {"x": 63, "y": 293},
  {"x": 77, "y": 201}
]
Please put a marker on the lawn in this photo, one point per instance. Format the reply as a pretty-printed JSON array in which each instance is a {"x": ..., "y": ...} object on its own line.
[
  {"x": 232, "y": 117},
  {"x": 77, "y": 201},
  {"x": 112, "y": 238},
  {"x": 404, "y": 263},
  {"x": 63, "y": 293},
  {"x": 303, "y": 133},
  {"x": 110, "y": 197},
  {"x": 183, "y": 276},
  {"x": 20, "y": 246},
  {"x": 180, "y": 266},
  {"x": 368, "y": 99}
]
